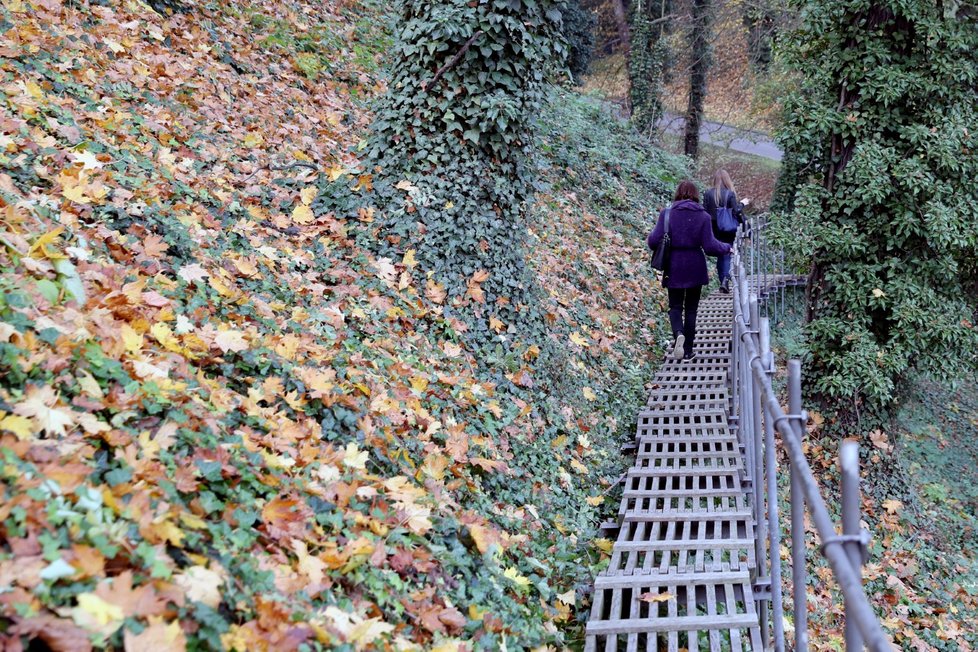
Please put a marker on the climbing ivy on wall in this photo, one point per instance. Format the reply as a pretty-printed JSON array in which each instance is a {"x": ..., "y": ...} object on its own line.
[
  {"x": 885, "y": 127},
  {"x": 451, "y": 152}
]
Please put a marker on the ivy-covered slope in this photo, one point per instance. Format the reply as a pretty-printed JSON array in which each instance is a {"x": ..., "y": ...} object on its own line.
[{"x": 223, "y": 423}]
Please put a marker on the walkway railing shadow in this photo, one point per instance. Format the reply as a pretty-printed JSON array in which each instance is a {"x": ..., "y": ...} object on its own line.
[{"x": 759, "y": 277}]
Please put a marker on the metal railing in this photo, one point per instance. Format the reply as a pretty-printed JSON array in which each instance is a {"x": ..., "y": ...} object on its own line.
[{"x": 758, "y": 279}]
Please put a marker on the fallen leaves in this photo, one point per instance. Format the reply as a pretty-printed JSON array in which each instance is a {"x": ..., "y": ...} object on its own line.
[
  {"x": 202, "y": 584},
  {"x": 286, "y": 517},
  {"x": 39, "y": 404}
]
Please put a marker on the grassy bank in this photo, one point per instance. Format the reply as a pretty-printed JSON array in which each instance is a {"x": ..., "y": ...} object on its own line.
[{"x": 223, "y": 423}]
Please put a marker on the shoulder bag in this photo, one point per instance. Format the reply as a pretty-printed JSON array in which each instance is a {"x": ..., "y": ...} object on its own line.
[{"x": 660, "y": 258}]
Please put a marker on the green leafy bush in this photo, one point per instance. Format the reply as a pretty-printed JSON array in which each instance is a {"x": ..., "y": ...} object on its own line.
[{"x": 882, "y": 130}]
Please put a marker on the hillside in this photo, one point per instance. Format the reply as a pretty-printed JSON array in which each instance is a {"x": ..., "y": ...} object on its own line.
[{"x": 226, "y": 425}]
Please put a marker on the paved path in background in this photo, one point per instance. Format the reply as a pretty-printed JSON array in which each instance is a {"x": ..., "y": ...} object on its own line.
[{"x": 747, "y": 141}]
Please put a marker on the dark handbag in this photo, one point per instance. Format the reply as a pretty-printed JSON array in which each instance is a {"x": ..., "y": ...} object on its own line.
[
  {"x": 726, "y": 222},
  {"x": 660, "y": 257}
]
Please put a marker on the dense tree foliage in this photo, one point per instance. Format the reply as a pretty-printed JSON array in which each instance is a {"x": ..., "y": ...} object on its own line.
[
  {"x": 578, "y": 30},
  {"x": 883, "y": 127},
  {"x": 646, "y": 69}
]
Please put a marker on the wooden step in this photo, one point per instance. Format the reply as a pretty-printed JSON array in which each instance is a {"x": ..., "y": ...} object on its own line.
[{"x": 713, "y": 611}]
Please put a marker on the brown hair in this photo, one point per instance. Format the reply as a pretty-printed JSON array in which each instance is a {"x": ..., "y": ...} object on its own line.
[
  {"x": 687, "y": 190},
  {"x": 721, "y": 180}
]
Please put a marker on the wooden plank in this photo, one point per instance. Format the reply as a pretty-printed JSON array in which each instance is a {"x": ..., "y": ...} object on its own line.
[{"x": 681, "y": 623}]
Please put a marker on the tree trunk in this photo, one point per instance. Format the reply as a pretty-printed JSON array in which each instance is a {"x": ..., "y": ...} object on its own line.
[
  {"x": 454, "y": 180},
  {"x": 700, "y": 50},
  {"x": 647, "y": 62},
  {"x": 621, "y": 20}
]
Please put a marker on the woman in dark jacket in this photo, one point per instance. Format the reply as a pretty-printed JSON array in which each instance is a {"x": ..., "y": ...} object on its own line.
[
  {"x": 723, "y": 194},
  {"x": 691, "y": 236}
]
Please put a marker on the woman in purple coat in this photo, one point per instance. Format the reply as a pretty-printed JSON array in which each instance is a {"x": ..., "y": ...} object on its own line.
[{"x": 691, "y": 234}]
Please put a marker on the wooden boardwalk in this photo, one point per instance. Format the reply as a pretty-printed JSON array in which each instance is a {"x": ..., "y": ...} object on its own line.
[{"x": 683, "y": 564}]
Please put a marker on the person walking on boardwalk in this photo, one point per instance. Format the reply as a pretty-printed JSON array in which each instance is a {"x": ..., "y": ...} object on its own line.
[
  {"x": 724, "y": 195},
  {"x": 691, "y": 235}
]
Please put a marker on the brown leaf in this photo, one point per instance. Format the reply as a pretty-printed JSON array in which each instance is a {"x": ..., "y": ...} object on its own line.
[
  {"x": 286, "y": 517},
  {"x": 141, "y": 601},
  {"x": 58, "y": 634}
]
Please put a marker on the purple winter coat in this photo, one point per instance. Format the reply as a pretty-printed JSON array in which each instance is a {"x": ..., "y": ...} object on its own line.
[{"x": 692, "y": 234}]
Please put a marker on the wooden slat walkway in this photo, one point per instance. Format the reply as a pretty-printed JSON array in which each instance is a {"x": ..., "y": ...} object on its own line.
[{"x": 683, "y": 562}]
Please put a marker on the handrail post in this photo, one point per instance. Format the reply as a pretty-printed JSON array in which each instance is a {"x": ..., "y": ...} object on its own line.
[
  {"x": 849, "y": 465},
  {"x": 799, "y": 574},
  {"x": 756, "y": 442},
  {"x": 735, "y": 346},
  {"x": 774, "y": 527}
]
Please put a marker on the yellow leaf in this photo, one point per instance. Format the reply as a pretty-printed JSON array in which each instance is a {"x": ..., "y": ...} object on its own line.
[
  {"x": 594, "y": 501},
  {"x": 89, "y": 385},
  {"x": 656, "y": 597},
  {"x": 409, "y": 260},
  {"x": 34, "y": 90},
  {"x": 308, "y": 194},
  {"x": 161, "y": 331},
  {"x": 76, "y": 193},
  {"x": 164, "y": 530},
  {"x": 434, "y": 466},
  {"x": 481, "y": 537},
  {"x": 192, "y": 521},
  {"x": 41, "y": 244},
  {"x": 313, "y": 567},
  {"x": 20, "y": 426},
  {"x": 892, "y": 506},
  {"x": 231, "y": 340},
  {"x": 417, "y": 518},
  {"x": 302, "y": 214},
  {"x": 514, "y": 575},
  {"x": 451, "y": 645},
  {"x": 158, "y": 637},
  {"x": 37, "y": 404},
  {"x": 578, "y": 339},
  {"x": 132, "y": 340},
  {"x": 368, "y": 631},
  {"x": 603, "y": 544},
  {"x": 246, "y": 267},
  {"x": 568, "y": 598},
  {"x": 580, "y": 468},
  {"x": 201, "y": 585},
  {"x": 878, "y": 293},
  {"x": 102, "y": 612},
  {"x": 115, "y": 47},
  {"x": 354, "y": 458},
  {"x": 335, "y": 173},
  {"x": 589, "y": 394},
  {"x": 253, "y": 139}
]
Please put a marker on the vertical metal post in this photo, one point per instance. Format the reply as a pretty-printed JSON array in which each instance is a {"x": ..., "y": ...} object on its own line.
[
  {"x": 756, "y": 440},
  {"x": 763, "y": 472},
  {"x": 735, "y": 344},
  {"x": 774, "y": 527},
  {"x": 849, "y": 463},
  {"x": 799, "y": 573},
  {"x": 746, "y": 387}
]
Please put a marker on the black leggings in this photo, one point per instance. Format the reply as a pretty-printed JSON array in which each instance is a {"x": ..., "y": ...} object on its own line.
[{"x": 683, "y": 303}]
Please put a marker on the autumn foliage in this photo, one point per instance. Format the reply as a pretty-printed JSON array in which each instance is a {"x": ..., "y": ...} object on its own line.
[{"x": 224, "y": 423}]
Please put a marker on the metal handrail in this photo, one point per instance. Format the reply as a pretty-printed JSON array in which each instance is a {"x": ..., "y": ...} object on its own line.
[{"x": 759, "y": 416}]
